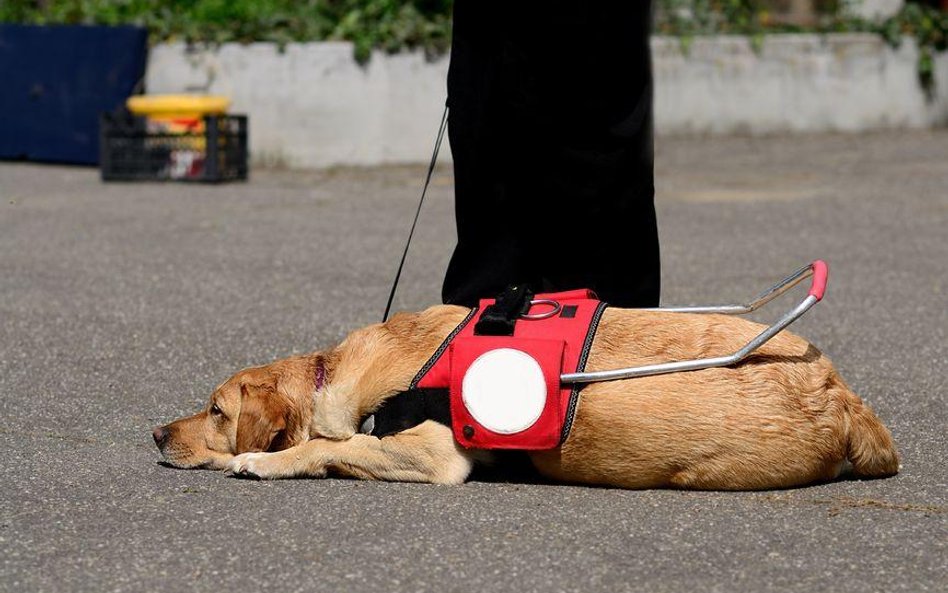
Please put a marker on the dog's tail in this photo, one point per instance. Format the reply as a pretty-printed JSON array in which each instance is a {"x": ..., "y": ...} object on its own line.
[{"x": 871, "y": 450}]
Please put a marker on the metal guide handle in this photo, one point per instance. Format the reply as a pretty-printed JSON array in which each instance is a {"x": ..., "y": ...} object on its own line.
[{"x": 818, "y": 270}]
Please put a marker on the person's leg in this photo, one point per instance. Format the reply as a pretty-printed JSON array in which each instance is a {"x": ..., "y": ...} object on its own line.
[
  {"x": 550, "y": 127},
  {"x": 489, "y": 253}
]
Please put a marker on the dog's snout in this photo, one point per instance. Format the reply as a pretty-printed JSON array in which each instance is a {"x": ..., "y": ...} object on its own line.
[{"x": 160, "y": 434}]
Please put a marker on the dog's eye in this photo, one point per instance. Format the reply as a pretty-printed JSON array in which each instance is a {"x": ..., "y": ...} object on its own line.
[{"x": 216, "y": 410}]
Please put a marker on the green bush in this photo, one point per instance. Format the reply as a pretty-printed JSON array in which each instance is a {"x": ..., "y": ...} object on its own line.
[
  {"x": 386, "y": 24},
  {"x": 689, "y": 18},
  {"x": 928, "y": 26},
  {"x": 393, "y": 25}
]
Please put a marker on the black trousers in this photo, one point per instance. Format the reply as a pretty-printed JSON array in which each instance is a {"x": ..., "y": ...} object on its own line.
[{"x": 550, "y": 126}]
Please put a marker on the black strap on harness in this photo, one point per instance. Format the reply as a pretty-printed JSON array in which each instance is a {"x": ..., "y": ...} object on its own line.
[
  {"x": 403, "y": 410},
  {"x": 500, "y": 318},
  {"x": 410, "y": 408}
]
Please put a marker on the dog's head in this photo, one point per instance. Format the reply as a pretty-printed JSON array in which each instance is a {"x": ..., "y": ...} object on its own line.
[
  {"x": 325, "y": 394},
  {"x": 258, "y": 409}
]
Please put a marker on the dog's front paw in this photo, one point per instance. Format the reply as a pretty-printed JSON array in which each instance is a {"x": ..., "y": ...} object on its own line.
[{"x": 259, "y": 466}]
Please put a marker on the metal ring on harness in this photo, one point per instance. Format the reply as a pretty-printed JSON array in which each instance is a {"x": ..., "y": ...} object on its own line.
[{"x": 546, "y": 314}]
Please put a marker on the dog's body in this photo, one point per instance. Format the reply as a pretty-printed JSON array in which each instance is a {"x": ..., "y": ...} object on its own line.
[{"x": 782, "y": 418}]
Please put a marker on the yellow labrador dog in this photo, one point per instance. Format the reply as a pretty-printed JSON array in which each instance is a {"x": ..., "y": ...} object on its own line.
[{"x": 782, "y": 418}]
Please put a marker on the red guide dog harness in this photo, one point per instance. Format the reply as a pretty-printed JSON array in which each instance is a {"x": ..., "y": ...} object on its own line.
[{"x": 496, "y": 378}]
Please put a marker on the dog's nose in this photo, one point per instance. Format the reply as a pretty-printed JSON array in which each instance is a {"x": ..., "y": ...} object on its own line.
[{"x": 160, "y": 434}]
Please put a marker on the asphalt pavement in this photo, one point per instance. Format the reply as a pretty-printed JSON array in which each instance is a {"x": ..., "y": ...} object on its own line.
[{"x": 123, "y": 305}]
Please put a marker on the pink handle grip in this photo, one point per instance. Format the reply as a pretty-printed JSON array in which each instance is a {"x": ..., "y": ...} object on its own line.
[{"x": 820, "y": 276}]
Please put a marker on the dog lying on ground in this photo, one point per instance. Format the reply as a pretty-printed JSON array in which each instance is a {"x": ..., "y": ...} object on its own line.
[{"x": 781, "y": 418}]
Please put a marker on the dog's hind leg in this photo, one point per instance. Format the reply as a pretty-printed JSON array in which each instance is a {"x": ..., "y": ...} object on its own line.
[{"x": 425, "y": 453}]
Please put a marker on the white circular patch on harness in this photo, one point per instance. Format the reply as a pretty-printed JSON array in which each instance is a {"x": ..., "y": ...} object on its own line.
[{"x": 504, "y": 390}]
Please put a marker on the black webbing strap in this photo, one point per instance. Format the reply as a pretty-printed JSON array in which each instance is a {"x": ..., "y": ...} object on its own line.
[
  {"x": 410, "y": 408},
  {"x": 411, "y": 233},
  {"x": 500, "y": 318}
]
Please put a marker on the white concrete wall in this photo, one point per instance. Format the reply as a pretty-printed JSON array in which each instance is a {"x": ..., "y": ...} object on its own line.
[
  {"x": 314, "y": 106},
  {"x": 795, "y": 83}
]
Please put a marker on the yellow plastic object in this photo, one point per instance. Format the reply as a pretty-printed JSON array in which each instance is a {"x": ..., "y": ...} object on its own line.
[{"x": 177, "y": 106}]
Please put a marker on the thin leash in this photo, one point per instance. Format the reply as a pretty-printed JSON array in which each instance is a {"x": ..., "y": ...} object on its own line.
[{"x": 424, "y": 191}]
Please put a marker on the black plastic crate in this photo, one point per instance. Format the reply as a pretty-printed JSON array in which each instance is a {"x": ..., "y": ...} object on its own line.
[{"x": 132, "y": 150}]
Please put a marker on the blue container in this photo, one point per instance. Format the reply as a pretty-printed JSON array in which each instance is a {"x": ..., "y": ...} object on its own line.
[{"x": 57, "y": 81}]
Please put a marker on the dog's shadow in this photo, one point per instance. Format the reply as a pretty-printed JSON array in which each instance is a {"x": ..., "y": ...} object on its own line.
[{"x": 508, "y": 467}]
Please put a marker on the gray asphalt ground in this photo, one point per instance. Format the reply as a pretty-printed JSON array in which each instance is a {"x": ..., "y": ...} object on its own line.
[{"x": 123, "y": 305}]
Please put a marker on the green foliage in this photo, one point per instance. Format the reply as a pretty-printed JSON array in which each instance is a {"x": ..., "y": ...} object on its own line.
[
  {"x": 928, "y": 26},
  {"x": 688, "y": 18},
  {"x": 391, "y": 25}
]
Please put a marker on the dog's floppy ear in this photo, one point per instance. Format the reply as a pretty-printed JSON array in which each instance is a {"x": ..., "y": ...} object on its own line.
[{"x": 262, "y": 418}]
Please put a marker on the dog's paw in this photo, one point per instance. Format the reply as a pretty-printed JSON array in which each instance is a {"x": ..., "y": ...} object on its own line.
[{"x": 257, "y": 466}]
